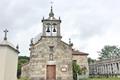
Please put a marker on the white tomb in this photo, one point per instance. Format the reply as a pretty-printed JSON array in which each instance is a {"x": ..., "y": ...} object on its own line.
[{"x": 8, "y": 60}]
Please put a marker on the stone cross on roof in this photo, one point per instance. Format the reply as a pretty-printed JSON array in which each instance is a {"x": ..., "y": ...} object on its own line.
[
  {"x": 5, "y": 38},
  {"x": 51, "y": 14},
  {"x": 51, "y": 2}
]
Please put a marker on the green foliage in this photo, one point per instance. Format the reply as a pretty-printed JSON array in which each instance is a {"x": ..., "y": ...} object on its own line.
[
  {"x": 25, "y": 78},
  {"x": 90, "y": 60},
  {"x": 76, "y": 70},
  {"x": 83, "y": 70},
  {"x": 21, "y": 60},
  {"x": 109, "y": 51}
]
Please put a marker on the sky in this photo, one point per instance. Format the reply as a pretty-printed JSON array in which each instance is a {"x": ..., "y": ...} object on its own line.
[{"x": 91, "y": 24}]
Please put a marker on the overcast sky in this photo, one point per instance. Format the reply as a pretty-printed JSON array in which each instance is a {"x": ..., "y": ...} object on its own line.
[{"x": 90, "y": 24}]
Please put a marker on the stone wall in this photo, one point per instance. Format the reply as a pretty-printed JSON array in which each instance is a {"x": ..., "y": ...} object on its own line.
[{"x": 40, "y": 57}]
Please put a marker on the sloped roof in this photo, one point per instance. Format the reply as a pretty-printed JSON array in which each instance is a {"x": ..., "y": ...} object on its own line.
[
  {"x": 76, "y": 52},
  {"x": 6, "y": 43}
]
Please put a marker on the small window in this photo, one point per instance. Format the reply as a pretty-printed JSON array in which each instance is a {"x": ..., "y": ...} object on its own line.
[
  {"x": 51, "y": 48},
  {"x": 51, "y": 57}
]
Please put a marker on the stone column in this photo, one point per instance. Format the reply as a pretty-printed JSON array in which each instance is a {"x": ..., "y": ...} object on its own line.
[
  {"x": 110, "y": 69},
  {"x": 97, "y": 69},
  {"x": 58, "y": 30},
  {"x": 103, "y": 68},
  {"x": 44, "y": 30},
  {"x": 119, "y": 67},
  {"x": 115, "y": 66},
  {"x": 100, "y": 69},
  {"x": 114, "y": 70},
  {"x": 106, "y": 69}
]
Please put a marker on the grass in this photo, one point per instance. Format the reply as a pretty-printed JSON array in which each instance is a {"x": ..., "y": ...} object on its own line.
[
  {"x": 104, "y": 78},
  {"x": 112, "y": 78},
  {"x": 23, "y": 79}
]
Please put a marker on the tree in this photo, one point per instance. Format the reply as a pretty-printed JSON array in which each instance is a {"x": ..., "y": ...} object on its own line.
[
  {"x": 109, "y": 51},
  {"x": 21, "y": 60},
  {"x": 90, "y": 60},
  {"x": 76, "y": 70}
]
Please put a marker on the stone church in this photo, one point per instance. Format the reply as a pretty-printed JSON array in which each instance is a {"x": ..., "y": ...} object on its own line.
[{"x": 50, "y": 57}]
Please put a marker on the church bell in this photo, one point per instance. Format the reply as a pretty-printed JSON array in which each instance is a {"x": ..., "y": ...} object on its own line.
[
  {"x": 54, "y": 30},
  {"x": 48, "y": 29}
]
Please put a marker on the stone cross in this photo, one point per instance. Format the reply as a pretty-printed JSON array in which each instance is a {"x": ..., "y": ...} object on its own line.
[
  {"x": 51, "y": 2},
  {"x": 5, "y": 38}
]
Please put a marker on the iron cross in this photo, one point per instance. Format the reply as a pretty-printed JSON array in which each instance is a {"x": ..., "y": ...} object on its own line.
[{"x": 5, "y": 38}]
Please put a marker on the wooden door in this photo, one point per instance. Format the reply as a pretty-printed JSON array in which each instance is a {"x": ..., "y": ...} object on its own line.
[{"x": 51, "y": 72}]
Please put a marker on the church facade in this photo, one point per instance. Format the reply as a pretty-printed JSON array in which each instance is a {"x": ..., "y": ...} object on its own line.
[{"x": 50, "y": 57}]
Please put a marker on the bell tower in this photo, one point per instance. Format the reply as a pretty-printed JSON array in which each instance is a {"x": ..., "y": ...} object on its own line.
[{"x": 51, "y": 26}]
